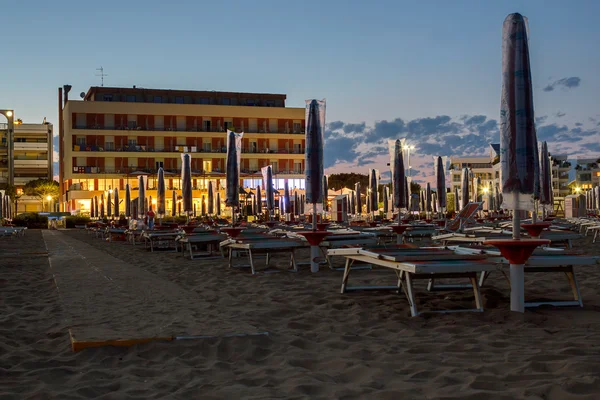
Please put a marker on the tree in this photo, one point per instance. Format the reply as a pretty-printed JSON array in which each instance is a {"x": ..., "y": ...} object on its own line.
[
  {"x": 415, "y": 187},
  {"x": 345, "y": 180},
  {"x": 42, "y": 189}
]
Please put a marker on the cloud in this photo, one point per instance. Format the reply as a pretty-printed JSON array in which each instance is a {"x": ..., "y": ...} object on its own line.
[
  {"x": 334, "y": 126},
  {"x": 385, "y": 130},
  {"x": 578, "y": 124},
  {"x": 565, "y": 83},
  {"x": 475, "y": 120},
  {"x": 355, "y": 128},
  {"x": 340, "y": 149},
  {"x": 549, "y": 132},
  {"x": 541, "y": 120},
  {"x": 560, "y": 114}
]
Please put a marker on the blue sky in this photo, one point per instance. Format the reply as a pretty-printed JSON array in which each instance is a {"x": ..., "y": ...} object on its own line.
[{"x": 430, "y": 65}]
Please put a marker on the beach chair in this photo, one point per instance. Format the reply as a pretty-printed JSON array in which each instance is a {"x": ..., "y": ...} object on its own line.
[{"x": 465, "y": 217}]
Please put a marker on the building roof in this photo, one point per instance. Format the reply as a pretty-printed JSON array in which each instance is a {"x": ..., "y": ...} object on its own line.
[
  {"x": 496, "y": 148},
  {"x": 211, "y": 93}
]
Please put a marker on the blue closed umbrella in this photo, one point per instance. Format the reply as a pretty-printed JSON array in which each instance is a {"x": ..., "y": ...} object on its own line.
[{"x": 315, "y": 125}]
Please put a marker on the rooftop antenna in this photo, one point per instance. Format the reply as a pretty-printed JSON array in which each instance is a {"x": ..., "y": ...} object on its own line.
[{"x": 101, "y": 75}]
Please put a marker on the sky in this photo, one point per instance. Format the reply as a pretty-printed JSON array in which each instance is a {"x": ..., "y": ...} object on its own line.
[{"x": 428, "y": 71}]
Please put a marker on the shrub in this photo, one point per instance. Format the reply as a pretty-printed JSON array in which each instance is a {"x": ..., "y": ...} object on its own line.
[
  {"x": 74, "y": 220},
  {"x": 31, "y": 221}
]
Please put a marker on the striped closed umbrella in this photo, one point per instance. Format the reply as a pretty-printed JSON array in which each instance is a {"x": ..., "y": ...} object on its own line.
[
  {"x": 161, "y": 194},
  {"x": 313, "y": 161},
  {"x": 117, "y": 210},
  {"x": 440, "y": 180},
  {"x": 186, "y": 183},
  {"x": 127, "y": 200},
  {"x": 142, "y": 179},
  {"x": 211, "y": 199},
  {"x": 232, "y": 169}
]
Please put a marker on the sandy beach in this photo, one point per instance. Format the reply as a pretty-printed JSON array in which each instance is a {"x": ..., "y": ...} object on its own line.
[{"x": 320, "y": 344}]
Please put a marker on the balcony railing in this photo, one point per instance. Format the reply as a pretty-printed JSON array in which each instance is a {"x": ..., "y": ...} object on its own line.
[
  {"x": 182, "y": 149},
  {"x": 170, "y": 173},
  {"x": 176, "y": 129}
]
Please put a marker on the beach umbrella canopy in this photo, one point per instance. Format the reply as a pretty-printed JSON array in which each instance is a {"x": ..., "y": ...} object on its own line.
[
  {"x": 440, "y": 180},
  {"x": 545, "y": 176},
  {"x": 195, "y": 215},
  {"x": 456, "y": 200},
  {"x": 386, "y": 198},
  {"x": 518, "y": 141},
  {"x": 203, "y": 208},
  {"x": 407, "y": 192},
  {"x": 399, "y": 188},
  {"x": 96, "y": 211},
  {"x": 325, "y": 193},
  {"x": 476, "y": 185},
  {"x": 267, "y": 173},
  {"x": 434, "y": 201},
  {"x": 127, "y": 200},
  {"x": 102, "y": 205},
  {"x": 186, "y": 182},
  {"x": 218, "y": 203},
  {"x": 358, "y": 198},
  {"x": 428, "y": 198},
  {"x": 464, "y": 187},
  {"x": 161, "y": 194},
  {"x": 232, "y": 169},
  {"x": 373, "y": 192},
  {"x": 2, "y": 212},
  {"x": 142, "y": 179},
  {"x": 211, "y": 199},
  {"x": 286, "y": 196},
  {"x": 117, "y": 211},
  {"x": 109, "y": 204},
  {"x": 258, "y": 200},
  {"x": 313, "y": 159},
  {"x": 597, "y": 194},
  {"x": 174, "y": 200}
]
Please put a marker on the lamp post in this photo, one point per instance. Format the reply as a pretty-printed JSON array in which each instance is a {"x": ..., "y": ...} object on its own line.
[
  {"x": 9, "y": 114},
  {"x": 408, "y": 149},
  {"x": 49, "y": 198}
]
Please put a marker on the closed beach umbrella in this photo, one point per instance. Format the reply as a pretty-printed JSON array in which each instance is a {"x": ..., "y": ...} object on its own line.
[
  {"x": 386, "y": 198},
  {"x": 296, "y": 203},
  {"x": 186, "y": 182},
  {"x": 92, "y": 214},
  {"x": 102, "y": 205},
  {"x": 109, "y": 204},
  {"x": 127, "y": 200},
  {"x": 597, "y": 194},
  {"x": 174, "y": 200},
  {"x": 258, "y": 200},
  {"x": 428, "y": 198},
  {"x": 545, "y": 177},
  {"x": 96, "y": 208},
  {"x": 464, "y": 187},
  {"x": 434, "y": 201},
  {"x": 315, "y": 125},
  {"x": 203, "y": 208},
  {"x": 518, "y": 141},
  {"x": 476, "y": 185},
  {"x": 194, "y": 213},
  {"x": 117, "y": 210},
  {"x": 211, "y": 199},
  {"x": 407, "y": 192},
  {"x": 219, "y": 203},
  {"x": 286, "y": 197},
  {"x": 373, "y": 192},
  {"x": 456, "y": 200},
  {"x": 325, "y": 193},
  {"x": 440, "y": 180},
  {"x": 3, "y": 212},
  {"x": 141, "y": 196},
  {"x": 399, "y": 187},
  {"x": 232, "y": 169},
  {"x": 358, "y": 198},
  {"x": 161, "y": 194},
  {"x": 267, "y": 173}
]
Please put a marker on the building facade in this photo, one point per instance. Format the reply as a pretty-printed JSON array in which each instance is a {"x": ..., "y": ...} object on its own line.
[
  {"x": 560, "y": 176},
  {"x": 32, "y": 153},
  {"x": 114, "y": 135},
  {"x": 487, "y": 168},
  {"x": 587, "y": 173}
]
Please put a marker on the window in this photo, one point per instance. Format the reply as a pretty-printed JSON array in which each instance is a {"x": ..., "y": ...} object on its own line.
[
  {"x": 131, "y": 98},
  {"x": 253, "y": 147},
  {"x": 297, "y": 167},
  {"x": 131, "y": 142},
  {"x": 159, "y": 164},
  {"x": 226, "y": 101},
  {"x": 159, "y": 122},
  {"x": 275, "y": 167},
  {"x": 207, "y": 166},
  {"x": 179, "y": 100},
  {"x": 206, "y": 126},
  {"x": 109, "y": 146},
  {"x": 297, "y": 127},
  {"x": 132, "y": 121},
  {"x": 207, "y": 147},
  {"x": 80, "y": 141},
  {"x": 297, "y": 148},
  {"x": 107, "y": 97},
  {"x": 204, "y": 100},
  {"x": 228, "y": 125},
  {"x": 250, "y": 103},
  {"x": 270, "y": 103},
  {"x": 158, "y": 99}
]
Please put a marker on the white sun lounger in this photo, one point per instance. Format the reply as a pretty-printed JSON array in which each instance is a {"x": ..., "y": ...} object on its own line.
[
  {"x": 267, "y": 247},
  {"x": 408, "y": 270},
  {"x": 210, "y": 240}
]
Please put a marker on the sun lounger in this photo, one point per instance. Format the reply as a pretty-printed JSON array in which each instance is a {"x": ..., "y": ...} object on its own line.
[
  {"x": 542, "y": 261},
  {"x": 465, "y": 217},
  {"x": 208, "y": 239},
  {"x": 160, "y": 240},
  {"x": 264, "y": 246},
  {"x": 116, "y": 234},
  {"x": 410, "y": 265}
]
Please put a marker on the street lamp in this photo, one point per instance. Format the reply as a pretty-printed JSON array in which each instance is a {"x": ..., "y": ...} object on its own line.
[
  {"x": 9, "y": 114},
  {"x": 408, "y": 149},
  {"x": 49, "y": 198}
]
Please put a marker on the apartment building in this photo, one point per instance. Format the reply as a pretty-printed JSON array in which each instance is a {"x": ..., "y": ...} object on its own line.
[
  {"x": 31, "y": 150},
  {"x": 587, "y": 173},
  {"x": 113, "y": 135},
  {"x": 560, "y": 175},
  {"x": 487, "y": 168}
]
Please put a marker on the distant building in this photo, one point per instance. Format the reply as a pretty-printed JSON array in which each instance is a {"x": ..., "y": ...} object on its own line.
[
  {"x": 587, "y": 173},
  {"x": 487, "y": 168},
  {"x": 116, "y": 134},
  {"x": 560, "y": 176},
  {"x": 32, "y": 159}
]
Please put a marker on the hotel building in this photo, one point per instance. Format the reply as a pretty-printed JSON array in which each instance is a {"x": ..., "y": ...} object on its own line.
[
  {"x": 560, "y": 176},
  {"x": 487, "y": 168},
  {"x": 587, "y": 173},
  {"x": 113, "y": 135},
  {"x": 31, "y": 148}
]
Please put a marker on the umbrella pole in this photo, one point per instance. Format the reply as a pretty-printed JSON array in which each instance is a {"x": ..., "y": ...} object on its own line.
[
  {"x": 314, "y": 250},
  {"x": 517, "y": 271}
]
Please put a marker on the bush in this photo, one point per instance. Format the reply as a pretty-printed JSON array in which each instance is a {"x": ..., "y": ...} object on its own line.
[
  {"x": 31, "y": 221},
  {"x": 72, "y": 221}
]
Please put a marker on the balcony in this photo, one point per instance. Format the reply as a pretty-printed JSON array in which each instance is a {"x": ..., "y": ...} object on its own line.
[
  {"x": 170, "y": 173},
  {"x": 31, "y": 146},
  {"x": 181, "y": 149},
  {"x": 175, "y": 129}
]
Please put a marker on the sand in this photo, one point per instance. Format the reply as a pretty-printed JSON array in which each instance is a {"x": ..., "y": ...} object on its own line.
[{"x": 321, "y": 344}]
